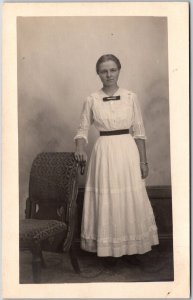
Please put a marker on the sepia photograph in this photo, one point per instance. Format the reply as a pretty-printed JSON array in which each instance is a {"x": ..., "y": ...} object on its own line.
[
  {"x": 75, "y": 72},
  {"x": 96, "y": 192}
]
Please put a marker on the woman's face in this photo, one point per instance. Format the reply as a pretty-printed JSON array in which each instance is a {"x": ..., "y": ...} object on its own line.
[{"x": 108, "y": 73}]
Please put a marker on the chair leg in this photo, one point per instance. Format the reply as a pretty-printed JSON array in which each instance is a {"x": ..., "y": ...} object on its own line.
[
  {"x": 74, "y": 259},
  {"x": 36, "y": 263}
]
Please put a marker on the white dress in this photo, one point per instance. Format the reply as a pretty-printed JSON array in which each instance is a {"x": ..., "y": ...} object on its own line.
[{"x": 117, "y": 215}]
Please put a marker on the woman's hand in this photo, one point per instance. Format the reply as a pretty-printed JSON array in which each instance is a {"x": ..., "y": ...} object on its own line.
[
  {"x": 144, "y": 170},
  {"x": 80, "y": 156},
  {"x": 80, "y": 153}
]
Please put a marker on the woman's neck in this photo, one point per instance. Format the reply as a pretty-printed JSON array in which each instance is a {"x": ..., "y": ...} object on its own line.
[{"x": 110, "y": 90}]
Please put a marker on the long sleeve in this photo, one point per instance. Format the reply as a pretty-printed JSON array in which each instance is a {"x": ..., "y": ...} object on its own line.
[
  {"x": 137, "y": 121},
  {"x": 86, "y": 120}
]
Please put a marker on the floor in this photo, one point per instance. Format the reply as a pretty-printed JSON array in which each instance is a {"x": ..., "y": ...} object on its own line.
[{"x": 156, "y": 265}]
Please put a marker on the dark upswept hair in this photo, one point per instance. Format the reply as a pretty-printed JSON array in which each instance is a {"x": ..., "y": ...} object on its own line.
[{"x": 105, "y": 58}]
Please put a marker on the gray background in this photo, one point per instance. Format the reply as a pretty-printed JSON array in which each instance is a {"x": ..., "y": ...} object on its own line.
[{"x": 56, "y": 71}]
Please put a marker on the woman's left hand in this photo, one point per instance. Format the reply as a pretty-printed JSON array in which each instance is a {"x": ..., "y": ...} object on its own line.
[{"x": 144, "y": 170}]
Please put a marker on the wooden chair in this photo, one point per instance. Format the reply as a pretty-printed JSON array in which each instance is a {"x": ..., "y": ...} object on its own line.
[{"x": 50, "y": 209}]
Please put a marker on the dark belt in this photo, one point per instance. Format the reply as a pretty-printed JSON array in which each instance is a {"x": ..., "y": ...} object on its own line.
[{"x": 114, "y": 132}]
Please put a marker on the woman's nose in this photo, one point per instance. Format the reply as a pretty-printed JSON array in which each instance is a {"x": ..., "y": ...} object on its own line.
[{"x": 108, "y": 74}]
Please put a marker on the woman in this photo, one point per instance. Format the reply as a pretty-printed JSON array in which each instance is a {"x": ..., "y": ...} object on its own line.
[{"x": 117, "y": 216}]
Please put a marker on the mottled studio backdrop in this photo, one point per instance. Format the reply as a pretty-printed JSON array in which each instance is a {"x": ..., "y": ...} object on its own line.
[{"x": 56, "y": 71}]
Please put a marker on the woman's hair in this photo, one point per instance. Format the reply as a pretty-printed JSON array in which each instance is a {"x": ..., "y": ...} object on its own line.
[{"x": 107, "y": 57}]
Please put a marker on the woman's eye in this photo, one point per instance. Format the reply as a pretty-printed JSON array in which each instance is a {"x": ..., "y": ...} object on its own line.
[{"x": 105, "y": 71}]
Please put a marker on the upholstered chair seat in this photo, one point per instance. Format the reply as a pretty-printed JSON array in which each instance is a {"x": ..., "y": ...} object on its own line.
[{"x": 37, "y": 231}]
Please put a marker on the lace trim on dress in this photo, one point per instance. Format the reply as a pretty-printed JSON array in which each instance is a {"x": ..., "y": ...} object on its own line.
[
  {"x": 111, "y": 190},
  {"x": 111, "y": 240}
]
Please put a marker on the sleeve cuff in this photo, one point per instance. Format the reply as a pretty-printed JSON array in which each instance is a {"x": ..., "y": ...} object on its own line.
[
  {"x": 81, "y": 137},
  {"x": 142, "y": 137}
]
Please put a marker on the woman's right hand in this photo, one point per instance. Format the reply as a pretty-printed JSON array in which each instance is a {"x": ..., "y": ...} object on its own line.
[{"x": 80, "y": 156}]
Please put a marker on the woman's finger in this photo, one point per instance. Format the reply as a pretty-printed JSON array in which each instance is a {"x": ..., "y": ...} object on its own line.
[
  {"x": 76, "y": 156},
  {"x": 143, "y": 173}
]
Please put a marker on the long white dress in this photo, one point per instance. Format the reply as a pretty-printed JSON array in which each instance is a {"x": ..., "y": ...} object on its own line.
[{"x": 117, "y": 215}]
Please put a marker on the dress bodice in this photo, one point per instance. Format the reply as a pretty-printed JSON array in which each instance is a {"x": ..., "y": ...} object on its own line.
[{"x": 111, "y": 115}]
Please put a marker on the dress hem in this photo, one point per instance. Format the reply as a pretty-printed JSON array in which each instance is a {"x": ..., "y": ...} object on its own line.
[{"x": 120, "y": 249}]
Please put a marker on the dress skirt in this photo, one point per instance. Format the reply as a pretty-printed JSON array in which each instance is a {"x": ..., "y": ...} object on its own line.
[{"x": 117, "y": 215}]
